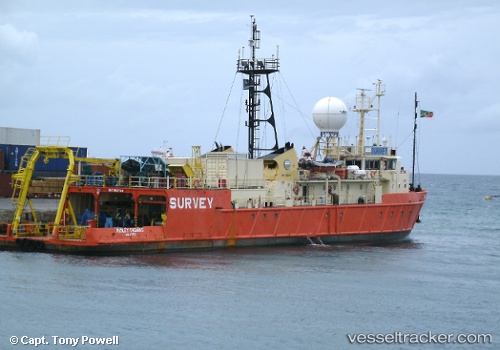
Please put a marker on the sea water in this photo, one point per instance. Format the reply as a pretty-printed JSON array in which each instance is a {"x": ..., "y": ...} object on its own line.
[{"x": 421, "y": 294}]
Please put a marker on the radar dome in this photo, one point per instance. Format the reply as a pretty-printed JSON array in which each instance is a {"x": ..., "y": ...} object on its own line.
[{"x": 330, "y": 114}]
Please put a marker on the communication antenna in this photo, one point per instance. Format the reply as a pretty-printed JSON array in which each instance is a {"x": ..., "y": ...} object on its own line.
[{"x": 255, "y": 69}]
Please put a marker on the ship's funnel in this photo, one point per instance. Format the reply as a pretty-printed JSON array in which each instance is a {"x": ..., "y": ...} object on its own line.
[{"x": 330, "y": 114}]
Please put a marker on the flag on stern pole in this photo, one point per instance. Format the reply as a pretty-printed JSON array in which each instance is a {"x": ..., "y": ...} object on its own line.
[{"x": 426, "y": 114}]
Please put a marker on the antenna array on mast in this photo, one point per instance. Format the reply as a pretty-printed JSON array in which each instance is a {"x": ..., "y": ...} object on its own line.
[{"x": 254, "y": 69}]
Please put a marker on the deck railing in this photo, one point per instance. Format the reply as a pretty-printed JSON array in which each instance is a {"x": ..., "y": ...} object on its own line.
[
  {"x": 168, "y": 182},
  {"x": 35, "y": 229},
  {"x": 71, "y": 232},
  {"x": 65, "y": 232}
]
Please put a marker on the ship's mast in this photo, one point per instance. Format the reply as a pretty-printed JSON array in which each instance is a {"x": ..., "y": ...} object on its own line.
[
  {"x": 362, "y": 108},
  {"x": 364, "y": 104},
  {"x": 412, "y": 185},
  {"x": 254, "y": 69},
  {"x": 380, "y": 92}
]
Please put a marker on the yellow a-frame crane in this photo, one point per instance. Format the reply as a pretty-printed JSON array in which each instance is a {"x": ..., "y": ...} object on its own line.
[{"x": 22, "y": 179}]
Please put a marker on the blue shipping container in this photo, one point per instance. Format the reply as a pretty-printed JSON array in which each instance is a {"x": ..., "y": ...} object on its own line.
[{"x": 14, "y": 153}]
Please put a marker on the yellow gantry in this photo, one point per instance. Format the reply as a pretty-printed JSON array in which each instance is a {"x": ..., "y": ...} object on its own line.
[{"x": 22, "y": 179}]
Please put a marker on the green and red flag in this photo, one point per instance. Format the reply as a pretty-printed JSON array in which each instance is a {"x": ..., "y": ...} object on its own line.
[{"x": 426, "y": 114}]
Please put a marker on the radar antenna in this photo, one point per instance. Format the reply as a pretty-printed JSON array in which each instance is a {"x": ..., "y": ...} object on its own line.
[{"x": 255, "y": 69}]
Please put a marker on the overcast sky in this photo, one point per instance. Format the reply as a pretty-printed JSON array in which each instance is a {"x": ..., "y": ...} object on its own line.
[{"x": 124, "y": 77}]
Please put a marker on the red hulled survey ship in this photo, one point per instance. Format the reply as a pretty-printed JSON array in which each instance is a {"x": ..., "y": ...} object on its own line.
[{"x": 330, "y": 193}]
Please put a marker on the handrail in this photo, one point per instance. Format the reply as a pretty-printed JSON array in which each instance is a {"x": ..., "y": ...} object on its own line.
[
  {"x": 168, "y": 182},
  {"x": 70, "y": 232},
  {"x": 57, "y": 141}
]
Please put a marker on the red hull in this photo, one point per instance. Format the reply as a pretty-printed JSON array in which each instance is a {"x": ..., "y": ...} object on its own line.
[{"x": 206, "y": 220}]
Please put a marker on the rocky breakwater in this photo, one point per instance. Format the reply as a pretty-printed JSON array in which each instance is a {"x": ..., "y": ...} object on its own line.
[{"x": 45, "y": 209}]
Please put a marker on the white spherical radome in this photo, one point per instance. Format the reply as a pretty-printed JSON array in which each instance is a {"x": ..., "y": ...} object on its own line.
[{"x": 330, "y": 114}]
